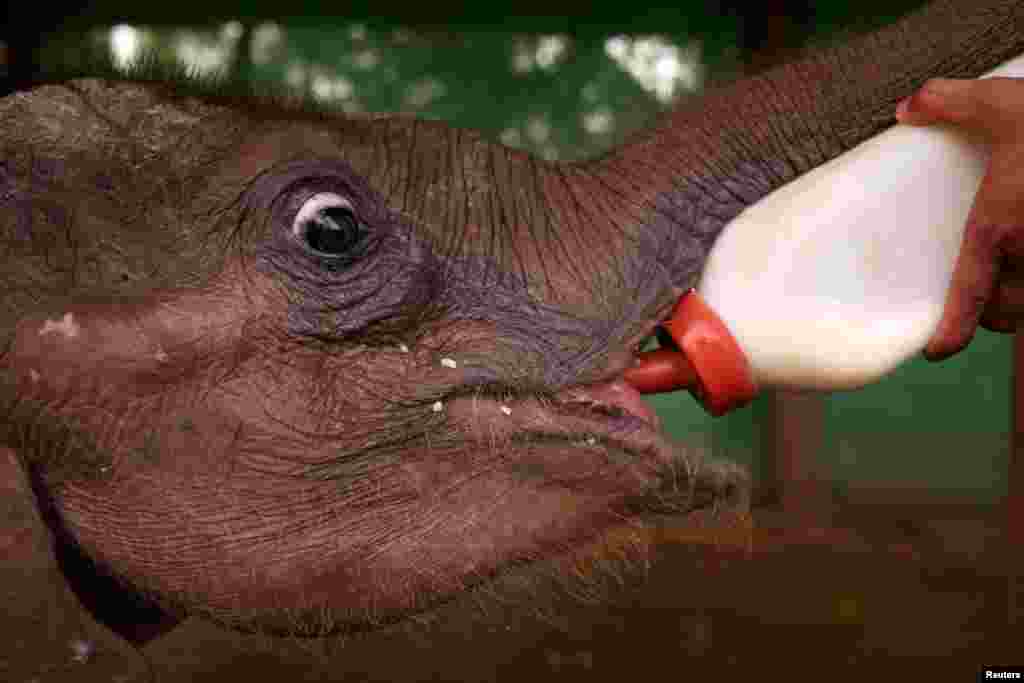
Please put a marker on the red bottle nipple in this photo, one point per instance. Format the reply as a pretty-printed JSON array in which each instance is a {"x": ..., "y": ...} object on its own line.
[{"x": 710, "y": 362}]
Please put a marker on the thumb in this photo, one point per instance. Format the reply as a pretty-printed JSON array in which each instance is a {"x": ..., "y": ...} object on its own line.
[{"x": 977, "y": 105}]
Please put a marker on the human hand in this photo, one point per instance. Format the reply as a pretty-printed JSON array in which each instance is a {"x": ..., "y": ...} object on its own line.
[{"x": 988, "y": 280}]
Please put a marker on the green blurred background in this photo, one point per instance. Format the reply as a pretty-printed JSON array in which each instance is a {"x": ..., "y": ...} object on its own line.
[{"x": 569, "y": 86}]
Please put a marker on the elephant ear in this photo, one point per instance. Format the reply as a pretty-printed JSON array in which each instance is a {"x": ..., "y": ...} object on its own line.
[{"x": 45, "y": 629}]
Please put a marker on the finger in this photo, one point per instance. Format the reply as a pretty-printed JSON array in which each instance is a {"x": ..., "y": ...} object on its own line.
[
  {"x": 1001, "y": 325},
  {"x": 991, "y": 106},
  {"x": 927, "y": 104},
  {"x": 970, "y": 290},
  {"x": 1005, "y": 310}
]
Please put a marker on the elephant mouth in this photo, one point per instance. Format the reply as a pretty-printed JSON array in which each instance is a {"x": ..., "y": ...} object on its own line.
[
  {"x": 608, "y": 416},
  {"x": 601, "y": 442},
  {"x": 615, "y": 399}
]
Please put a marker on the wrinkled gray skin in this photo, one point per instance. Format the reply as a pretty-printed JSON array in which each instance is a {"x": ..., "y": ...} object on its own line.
[{"x": 227, "y": 327}]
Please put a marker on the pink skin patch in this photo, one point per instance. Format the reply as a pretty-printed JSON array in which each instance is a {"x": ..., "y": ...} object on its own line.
[
  {"x": 618, "y": 393},
  {"x": 66, "y": 326}
]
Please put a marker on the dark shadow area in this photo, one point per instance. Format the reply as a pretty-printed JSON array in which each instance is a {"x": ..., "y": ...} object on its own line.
[{"x": 110, "y": 601}]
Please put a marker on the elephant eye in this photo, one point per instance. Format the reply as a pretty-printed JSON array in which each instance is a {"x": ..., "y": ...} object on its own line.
[{"x": 327, "y": 225}]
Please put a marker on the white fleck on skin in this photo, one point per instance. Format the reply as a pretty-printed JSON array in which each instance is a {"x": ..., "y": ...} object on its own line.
[
  {"x": 66, "y": 326},
  {"x": 161, "y": 355},
  {"x": 591, "y": 441},
  {"x": 506, "y": 410},
  {"x": 449, "y": 363},
  {"x": 438, "y": 407},
  {"x": 34, "y": 375},
  {"x": 81, "y": 650},
  {"x": 403, "y": 348}
]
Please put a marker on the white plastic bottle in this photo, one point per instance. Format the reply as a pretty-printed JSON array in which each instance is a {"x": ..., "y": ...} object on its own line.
[{"x": 834, "y": 279}]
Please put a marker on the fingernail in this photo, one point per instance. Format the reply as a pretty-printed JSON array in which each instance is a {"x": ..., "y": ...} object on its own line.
[
  {"x": 903, "y": 108},
  {"x": 935, "y": 356},
  {"x": 941, "y": 87}
]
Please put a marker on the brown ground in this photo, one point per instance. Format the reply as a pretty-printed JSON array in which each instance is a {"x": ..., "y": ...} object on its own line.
[{"x": 922, "y": 588}]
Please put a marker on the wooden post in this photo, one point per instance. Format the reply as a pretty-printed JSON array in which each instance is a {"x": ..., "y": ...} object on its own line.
[
  {"x": 793, "y": 438},
  {"x": 793, "y": 431},
  {"x": 1014, "y": 520}
]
